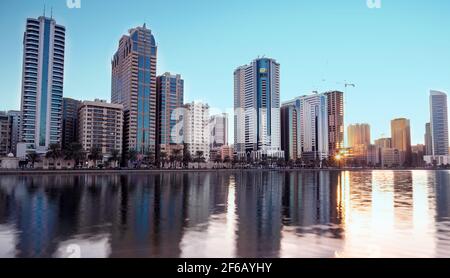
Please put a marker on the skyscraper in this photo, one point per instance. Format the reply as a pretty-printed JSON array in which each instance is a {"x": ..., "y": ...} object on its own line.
[
  {"x": 358, "y": 134},
  {"x": 335, "y": 121},
  {"x": 5, "y": 134},
  {"x": 290, "y": 132},
  {"x": 311, "y": 115},
  {"x": 15, "y": 118},
  {"x": 257, "y": 109},
  {"x": 170, "y": 89},
  {"x": 134, "y": 86},
  {"x": 428, "y": 140},
  {"x": 401, "y": 139},
  {"x": 70, "y": 121},
  {"x": 219, "y": 130},
  {"x": 42, "y": 83},
  {"x": 439, "y": 122}
]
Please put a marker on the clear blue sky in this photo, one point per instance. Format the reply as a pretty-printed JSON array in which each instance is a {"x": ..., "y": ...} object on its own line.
[{"x": 394, "y": 55}]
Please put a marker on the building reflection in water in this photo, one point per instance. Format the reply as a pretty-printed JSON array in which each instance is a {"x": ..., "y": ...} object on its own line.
[{"x": 217, "y": 214}]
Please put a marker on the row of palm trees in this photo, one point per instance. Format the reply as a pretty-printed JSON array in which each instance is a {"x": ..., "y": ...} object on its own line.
[
  {"x": 177, "y": 159},
  {"x": 73, "y": 151}
]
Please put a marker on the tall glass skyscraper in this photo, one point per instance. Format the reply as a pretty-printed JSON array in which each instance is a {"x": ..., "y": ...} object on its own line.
[
  {"x": 439, "y": 123},
  {"x": 170, "y": 90},
  {"x": 257, "y": 109},
  {"x": 134, "y": 86},
  {"x": 42, "y": 83}
]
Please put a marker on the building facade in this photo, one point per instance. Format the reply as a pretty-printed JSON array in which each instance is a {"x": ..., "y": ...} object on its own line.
[
  {"x": 290, "y": 132},
  {"x": 15, "y": 118},
  {"x": 5, "y": 134},
  {"x": 100, "y": 126},
  {"x": 70, "y": 121},
  {"x": 170, "y": 91},
  {"x": 42, "y": 83},
  {"x": 219, "y": 130},
  {"x": 383, "y": 143},
  {"x": 257, "y": 109},
  {"x": 336, "y": 127},
  {"x": 428, "y": 140},
  {"x": 439, "y": 123},
  {"x": 312, "y": 127},
  {"x": 196, "y": 132},
  {"x": 134, "y": 87},
  {"x": 401, "y": 139},
  {"x": 358, "y": 134}
]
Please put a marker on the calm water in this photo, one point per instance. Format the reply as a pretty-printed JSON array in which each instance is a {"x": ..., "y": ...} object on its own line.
[{"x": 250, "y": 214}]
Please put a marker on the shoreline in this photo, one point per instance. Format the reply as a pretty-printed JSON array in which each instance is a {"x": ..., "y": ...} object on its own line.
[{"x": 160, "y": 171}]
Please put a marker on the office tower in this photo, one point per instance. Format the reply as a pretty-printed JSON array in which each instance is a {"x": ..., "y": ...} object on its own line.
[
  {"x": 5, "y": 134},
  {"x": 100, "y": 125},
  {"x": 335, "y": 121},
  {"x": 42, "y": 83},
  {"x": 401, "y": 139},
  {"x": 219, "y": 130},
  {"x": 439, "y": 123},
  {"x": 312, "y": 119},
  {"x": 428, "y": 140},
  {"x": 257, "y": 109},
  {"x": 15, "y": 122},
  {"x": 196, "y": 129},
  {"x": 358, "y": 134},
  {"x": 170, "y": 91},
  {"x": 70, "y": 121},
  {"x": 383, "y": 143},
  {"x": 134, "y": 86},
  {"x": 290, "y": 132}
]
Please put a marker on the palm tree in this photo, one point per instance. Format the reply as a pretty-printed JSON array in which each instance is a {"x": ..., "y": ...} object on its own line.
[
  {"x": 95, "y": 154},
  {"x": 199, "y": 157},
  {"x": 186, "y": 158},
  {"x": 74, "y": 151},
  {"x": 163, "y": 158},
  {"x": 33, "y": 157},
  {"x": 177, "y": 156},
  {"x": 150, "y": 157},
  {"x": 115, "y": 157},
  {"x": 54, "y": 152}
]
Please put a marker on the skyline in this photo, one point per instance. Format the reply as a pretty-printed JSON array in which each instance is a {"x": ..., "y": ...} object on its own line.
[{"x": 312, "y": 62}]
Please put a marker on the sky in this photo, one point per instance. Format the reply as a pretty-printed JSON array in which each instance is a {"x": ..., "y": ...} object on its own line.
[{"x": 394, "y": 54}]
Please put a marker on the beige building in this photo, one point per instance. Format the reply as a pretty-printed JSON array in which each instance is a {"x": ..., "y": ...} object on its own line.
[
  {"x": 383, "y": 143},
  {"x": 101, "y": 125},
  {"x": 401, "y": 139},
  {"x": 389, "y": 157},
  {"x": 358, "y": 134}
]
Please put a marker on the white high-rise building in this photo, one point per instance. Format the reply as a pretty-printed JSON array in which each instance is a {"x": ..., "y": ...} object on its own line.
[
  {"x": 257, "y": 109},
  {"x": 312, "y": 119},
  {"x": 196, "y": 130},
  {"x": 42, "y": 83}
]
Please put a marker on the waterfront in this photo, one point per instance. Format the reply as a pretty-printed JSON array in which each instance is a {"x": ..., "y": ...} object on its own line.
[{"x": 227, "y": 214}]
